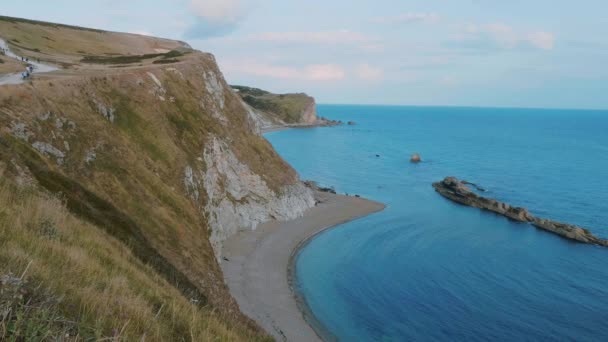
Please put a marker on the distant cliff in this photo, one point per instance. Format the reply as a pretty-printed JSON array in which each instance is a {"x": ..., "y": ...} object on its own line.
[
  {"x": 149, "y": 161},
  {"x": 288, "y": 108}
]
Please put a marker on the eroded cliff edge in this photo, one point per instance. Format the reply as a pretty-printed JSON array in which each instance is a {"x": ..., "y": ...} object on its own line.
[{"x": 458, "y": 191}]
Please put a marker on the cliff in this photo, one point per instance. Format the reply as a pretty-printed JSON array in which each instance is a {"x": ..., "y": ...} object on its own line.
[
  {"x": 281, "y": 110},
  {"x": 148, "y": 161},
  {"x": 458, "y": 191}
]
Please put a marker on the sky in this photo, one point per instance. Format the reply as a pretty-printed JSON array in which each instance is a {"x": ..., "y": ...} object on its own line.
[{"x": 492, "y": 53}]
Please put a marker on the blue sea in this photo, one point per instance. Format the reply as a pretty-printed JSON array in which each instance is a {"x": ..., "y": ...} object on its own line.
[{"x": 427, "y": 269}]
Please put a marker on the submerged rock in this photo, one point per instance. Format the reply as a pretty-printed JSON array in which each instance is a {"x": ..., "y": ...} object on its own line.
[
  {"x": 415, "y": 158},
  {"x": 459, "y": 192}
]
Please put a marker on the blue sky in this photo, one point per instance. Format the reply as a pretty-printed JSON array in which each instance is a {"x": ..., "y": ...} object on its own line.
[{"x": 516, "y": 53}]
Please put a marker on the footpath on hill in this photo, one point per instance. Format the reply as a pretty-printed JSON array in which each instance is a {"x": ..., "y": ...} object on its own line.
[{"x": 17, "y": 78}]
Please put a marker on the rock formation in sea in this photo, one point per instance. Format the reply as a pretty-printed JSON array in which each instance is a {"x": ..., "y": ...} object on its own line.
[
  {"x": 458, "y": 191},
  {"x": 415, "y": 158}
]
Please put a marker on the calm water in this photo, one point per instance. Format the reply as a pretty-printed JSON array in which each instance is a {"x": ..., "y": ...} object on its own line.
[{"x": 428, "y": 269}]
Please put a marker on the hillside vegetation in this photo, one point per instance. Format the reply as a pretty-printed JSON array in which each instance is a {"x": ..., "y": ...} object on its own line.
[
  {"x": 68, "y": 45},
  {"x": 10, "y": 65},
  {"x": 117, "y": 189}
]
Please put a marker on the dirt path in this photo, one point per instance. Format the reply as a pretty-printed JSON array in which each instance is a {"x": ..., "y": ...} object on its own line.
[{"x": 16, "y": 78}]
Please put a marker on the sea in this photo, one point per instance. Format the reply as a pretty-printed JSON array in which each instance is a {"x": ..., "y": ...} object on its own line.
[{"x": 427, "y": 269}]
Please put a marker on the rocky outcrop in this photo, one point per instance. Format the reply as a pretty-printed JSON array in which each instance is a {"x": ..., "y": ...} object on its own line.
[
  {"x": 238, "y": 198},
  {"x": 457, "y": 191}
]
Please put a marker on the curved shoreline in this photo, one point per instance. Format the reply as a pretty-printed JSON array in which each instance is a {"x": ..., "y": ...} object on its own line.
[
  {"x": 319, "y": 328},
  {"x": 260, "y": 267}
]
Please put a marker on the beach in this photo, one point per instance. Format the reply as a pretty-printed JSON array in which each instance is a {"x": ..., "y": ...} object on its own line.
[{"x": 258, "y": 264}]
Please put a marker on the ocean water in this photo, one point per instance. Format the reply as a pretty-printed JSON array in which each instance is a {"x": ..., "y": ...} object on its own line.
[{"x": 427, "y": 269}]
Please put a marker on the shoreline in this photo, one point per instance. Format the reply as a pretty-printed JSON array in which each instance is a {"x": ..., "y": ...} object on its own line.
[
  {"x": 285, "y": 127},
  {"x": 259, "y": 266}
]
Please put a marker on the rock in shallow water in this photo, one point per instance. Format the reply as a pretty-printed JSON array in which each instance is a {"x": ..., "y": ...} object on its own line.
[
  {"x": 459, "y": 192},
  {"x": 415, "y": 158}
]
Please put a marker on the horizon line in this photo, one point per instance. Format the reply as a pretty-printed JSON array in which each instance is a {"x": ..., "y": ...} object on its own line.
[{"x": 461, "y": 106}]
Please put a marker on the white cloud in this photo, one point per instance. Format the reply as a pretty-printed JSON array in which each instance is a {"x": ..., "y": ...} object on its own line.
[
  {"x": 324, "y": 72},
  {"x": 448, "y": 81},
  {"x": 219, "y": 10},
  {"x": 369, "y": 73},
  {"x": 341, "y": 38},
  {"x": 542, "y": 40},
  {"x": 312, "y": 72},
  {"x": 500, "y": 35},
  {"x": 217, "y": 17},
  {"x": 407, "y": 18},
  {"x": 503, "y": 34},
  {"x": 328, "y": 37}
]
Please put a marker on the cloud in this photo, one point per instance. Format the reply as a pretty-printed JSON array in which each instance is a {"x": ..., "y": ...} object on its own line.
[
  {"x": 542, "y": 40},
  {"x": 321, "y": 38},
  {"x": 448, "y": 81},
  {"x": 407, "y": 18},
  {"x": 334, "y": 38},
  {"x": 312, "y": 72},
  {"x": 502, "y": 36},
  {"x": 217, "y": 17},
  {"x": 369, "y": 73},
  {"x": 324, "y": 72}
]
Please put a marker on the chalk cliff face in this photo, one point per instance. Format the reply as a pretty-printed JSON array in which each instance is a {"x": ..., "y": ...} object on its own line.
[
  {"x": 164, "y": 157},
  {"x": 310, "y": 113},
  {"x": 236, "y": 197}
]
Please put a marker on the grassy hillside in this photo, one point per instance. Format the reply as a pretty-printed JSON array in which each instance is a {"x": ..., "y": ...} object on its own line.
[
  {"x": 94, "y": 207},
  {"x": 64, "y": 276},
  {"x": 10, "y": 65},
  {"x": 69, "y": 44},
  {"x": 290, "y": 108}
]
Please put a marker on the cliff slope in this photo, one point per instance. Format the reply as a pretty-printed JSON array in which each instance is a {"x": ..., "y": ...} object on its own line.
[{"x": 140, "y": 160}]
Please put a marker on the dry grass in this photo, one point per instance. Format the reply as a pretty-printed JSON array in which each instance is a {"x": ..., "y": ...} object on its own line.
[
  {"x": 96, "y": 280},
  {"x": 60, "y": 43},
  {"x": 10, "y": 65},
  {"x": 139, "y": 165},
  {"x": 131, "y": 241}
]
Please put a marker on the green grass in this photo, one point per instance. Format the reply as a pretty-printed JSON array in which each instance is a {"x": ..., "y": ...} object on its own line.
[
  {"x": 166, "y": 61},
  {"x": 131, "y": 58},
  {"x": 28, "y": 312},
  {"x": 128, "y": 120},
  {"x": 16, "y": 43},
  {"x": 250, "y": 90}
]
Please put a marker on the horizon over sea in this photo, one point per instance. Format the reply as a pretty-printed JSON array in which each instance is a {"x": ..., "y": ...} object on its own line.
[{"x": 426, "y": 268}]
